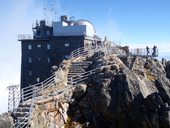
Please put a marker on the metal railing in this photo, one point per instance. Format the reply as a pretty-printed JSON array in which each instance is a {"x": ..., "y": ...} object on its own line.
[
  {"x": 29, "y": 94},
  {"x": 144, "y": 52},
  {"x": 84, "y": 51},
  {"x": 76, "y": 79},
  {"x": 25, "y": 37},
  {"x": 24, "y": 122}
]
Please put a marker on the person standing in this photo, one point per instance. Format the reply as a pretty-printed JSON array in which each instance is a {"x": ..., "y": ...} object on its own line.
[
  {"x": 147, "y": 50},
  {"x": 154, "y": 50}
]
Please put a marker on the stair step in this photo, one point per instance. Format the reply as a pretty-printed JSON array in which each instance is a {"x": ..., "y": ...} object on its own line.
[
  {"x": 82, "y": 62},
  {"x": 24, "y": 125},
  {"x": 23, "y": 108},
  {"x": 76, "y": 68},
  {"x": 24, "y": 105},
  {"x": 78, "y": 72},
  {"x": 21, "y": 114},
  {"x": 80, "y": 66},
  {"x": 23, "y": 119}
]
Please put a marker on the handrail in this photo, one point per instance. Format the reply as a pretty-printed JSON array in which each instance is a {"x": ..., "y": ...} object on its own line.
[
  {"x": 18, "y": 122},
  {"x": 33, "y": 90},
  {"x": 24, "y": 92},
  {"x": 45, "y": 84},
  {"x": 25, "y": 37},
  {"x": 82, "y": 76},
  {"x": 30, "y": 112}
]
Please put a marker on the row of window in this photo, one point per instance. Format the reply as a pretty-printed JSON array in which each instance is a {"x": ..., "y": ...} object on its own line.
[
  {"x": 39, "y": 46},
  {"x": 30, "y": 60},
  {"x": 47, "y": 59},
  {"x": 48, "y": 46}
]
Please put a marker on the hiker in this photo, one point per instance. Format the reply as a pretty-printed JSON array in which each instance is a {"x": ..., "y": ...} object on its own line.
[
  {"x": 154, "y": 51},
  {"x": 147, "y": 50},
  {"x": 164, "y": 62}
]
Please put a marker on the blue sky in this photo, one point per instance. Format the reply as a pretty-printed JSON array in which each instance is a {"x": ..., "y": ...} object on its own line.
[{"x": 136, "y": 23}]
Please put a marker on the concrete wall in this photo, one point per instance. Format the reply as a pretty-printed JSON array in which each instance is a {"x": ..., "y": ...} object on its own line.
[{"x": 62, "y": 29}]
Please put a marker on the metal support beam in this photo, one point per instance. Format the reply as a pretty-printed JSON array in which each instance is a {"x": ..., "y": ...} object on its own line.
[{"x": 13, "y": 97}]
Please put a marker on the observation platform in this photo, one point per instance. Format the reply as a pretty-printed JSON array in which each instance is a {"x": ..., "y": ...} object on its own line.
[{"x": 143, "y": 52}]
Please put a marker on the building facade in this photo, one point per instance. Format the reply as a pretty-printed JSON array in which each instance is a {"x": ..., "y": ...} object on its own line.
[{"x": 50, "y": 44}]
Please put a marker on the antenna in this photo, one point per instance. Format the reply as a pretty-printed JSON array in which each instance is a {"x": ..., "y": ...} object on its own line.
[
  {"x": 49, "y": 8},
  {"x": 53, "y": 9},
  {"x": 45, "y": 13}
]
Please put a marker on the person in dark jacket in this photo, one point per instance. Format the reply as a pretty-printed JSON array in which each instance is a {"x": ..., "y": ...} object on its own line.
[
  {"x": 154, "y": 50},
  {"x": 147, "y": 50}
]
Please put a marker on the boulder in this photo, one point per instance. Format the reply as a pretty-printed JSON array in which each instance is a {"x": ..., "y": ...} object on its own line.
[{"x": 6, "y": 120}]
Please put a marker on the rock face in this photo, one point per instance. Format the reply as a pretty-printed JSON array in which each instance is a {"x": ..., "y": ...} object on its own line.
[
  {"x": 132, "y": 92},
  {"x": 6, "y": 121}
]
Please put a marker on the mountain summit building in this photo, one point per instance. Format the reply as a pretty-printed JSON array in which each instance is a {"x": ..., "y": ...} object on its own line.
[{"x": 50, "y": 44}]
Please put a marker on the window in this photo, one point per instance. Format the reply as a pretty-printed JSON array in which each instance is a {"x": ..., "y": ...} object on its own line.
[
  {"x": 39, "y": 58},
  {"x": 66, "y": 56},
  {"x": 29, "y": 47},
  {"x": 38, "y": 79},
  {"x": 29, "y": 60},
  {"x": 48, "y": 60},
  {"x": 48, "y": 32},
  {"x": 38, "y": 33},
  {"x": 29, "y": 73},
  {"x": 67, "y": 44},
  {"x": 38, "y": 45},
  {"x": 48, "y": 46}
]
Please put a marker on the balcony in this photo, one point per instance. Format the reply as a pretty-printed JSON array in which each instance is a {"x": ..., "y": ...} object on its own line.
[{"x": 25, "y": 37}]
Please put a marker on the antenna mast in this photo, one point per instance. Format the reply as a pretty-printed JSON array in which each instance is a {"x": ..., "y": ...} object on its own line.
[
  {"x": 52, "y": 9},
  {"x": 49, "y": 7}
]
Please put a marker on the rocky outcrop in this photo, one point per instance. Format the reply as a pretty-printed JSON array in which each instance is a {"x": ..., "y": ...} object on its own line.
[
  {"x": 122, "y": 98},
  {"x": 6, "y": 120},
  {"x": 53, "y": 113},
  {"x": 132, "y": 92}
]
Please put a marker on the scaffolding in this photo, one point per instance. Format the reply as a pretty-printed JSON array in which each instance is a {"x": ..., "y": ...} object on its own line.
[{"x": 13, "y": 97}]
